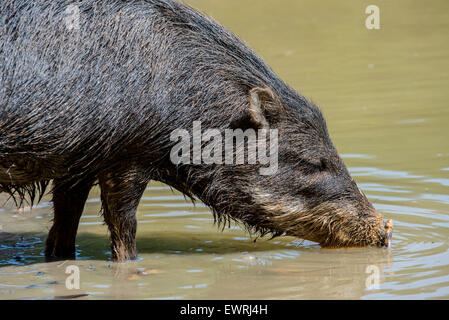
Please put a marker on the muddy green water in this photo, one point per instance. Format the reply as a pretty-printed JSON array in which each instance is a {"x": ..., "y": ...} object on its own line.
[{"x": 385, "y": 96}]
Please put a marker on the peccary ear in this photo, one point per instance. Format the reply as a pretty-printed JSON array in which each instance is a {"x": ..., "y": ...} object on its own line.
[{"x": 264, "y": 107}]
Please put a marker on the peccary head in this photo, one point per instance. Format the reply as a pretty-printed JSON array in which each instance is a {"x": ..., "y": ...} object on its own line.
[{"x": 311, "y": 195}]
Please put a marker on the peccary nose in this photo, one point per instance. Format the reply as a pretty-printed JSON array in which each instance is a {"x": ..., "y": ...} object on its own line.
[{"x": 388, "y": 232}]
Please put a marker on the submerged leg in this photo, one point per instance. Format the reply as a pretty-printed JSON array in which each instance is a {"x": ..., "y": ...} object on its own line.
[
  {"x": 120, "y": 195},
  {"x": 68, "y": 202}
]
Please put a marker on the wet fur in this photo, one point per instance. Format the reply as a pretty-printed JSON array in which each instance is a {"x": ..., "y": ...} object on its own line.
[{"x": 99, "y": 103}]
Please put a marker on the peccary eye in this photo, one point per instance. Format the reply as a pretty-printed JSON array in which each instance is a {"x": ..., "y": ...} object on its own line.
[
  {"x": 323, "y": 165},
  {"x": 320, "y": 165}
]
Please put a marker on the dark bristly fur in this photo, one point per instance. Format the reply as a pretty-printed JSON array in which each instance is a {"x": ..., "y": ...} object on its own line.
[{"x": 98, "y": 103}]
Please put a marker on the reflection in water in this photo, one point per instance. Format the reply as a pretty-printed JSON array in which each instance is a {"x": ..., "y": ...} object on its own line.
[
  {"x": 268, "y": 270},
  {"x": 384, "y": 94}
]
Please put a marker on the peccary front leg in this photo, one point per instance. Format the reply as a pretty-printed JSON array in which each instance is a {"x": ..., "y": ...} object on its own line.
[
  {"x": 68, "y": 201},
  {"x": 120, "y": 195}
]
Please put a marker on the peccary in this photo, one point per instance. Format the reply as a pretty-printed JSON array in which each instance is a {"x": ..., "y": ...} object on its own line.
[{"x": 90, "y": 92}]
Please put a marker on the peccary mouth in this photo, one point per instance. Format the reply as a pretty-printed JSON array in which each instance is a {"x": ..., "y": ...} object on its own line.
[
  {"x": 332, "y": 225},
  {"x": 388, "y": 233},
  {"x": 340, "y": 232}
]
